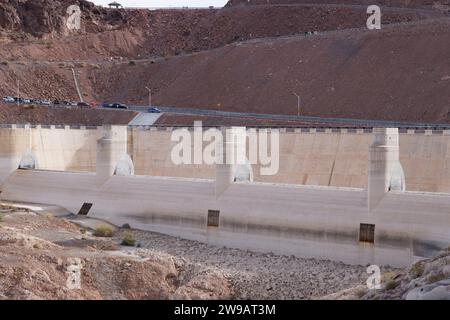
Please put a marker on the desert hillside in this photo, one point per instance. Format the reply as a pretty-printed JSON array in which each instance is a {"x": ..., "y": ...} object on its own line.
[{"x": 247, "y": 58}]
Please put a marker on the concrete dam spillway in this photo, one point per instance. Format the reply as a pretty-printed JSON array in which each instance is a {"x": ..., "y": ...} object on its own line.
[{"x": 379, "y": 197}]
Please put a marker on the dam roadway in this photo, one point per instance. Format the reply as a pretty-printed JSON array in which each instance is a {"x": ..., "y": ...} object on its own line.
[{"x": 316, "y": 121}]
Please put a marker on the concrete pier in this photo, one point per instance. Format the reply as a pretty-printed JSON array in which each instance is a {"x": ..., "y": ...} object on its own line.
[
  {"x": 230, "y": 153},
  {"x": 383, "y": 157},
  {"x": 111, "y": 147}
]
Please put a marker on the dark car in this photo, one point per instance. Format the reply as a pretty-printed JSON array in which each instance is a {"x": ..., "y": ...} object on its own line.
[
  {"x": 114, "y": 106},
  {"x": 83, "y": 105},
  {"x": 56, "y": 102},
  {"x": 154, "y": 110}
]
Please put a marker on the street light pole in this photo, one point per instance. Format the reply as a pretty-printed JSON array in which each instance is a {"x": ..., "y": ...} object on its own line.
[
  {"x": 18, "y": 92},
  {"x": 149, "y": 96},
  {"x": 298, "y": 104}
]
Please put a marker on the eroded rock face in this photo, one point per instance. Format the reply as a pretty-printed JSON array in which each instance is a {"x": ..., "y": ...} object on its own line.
[
  {"x": 436, "y": 291},
  {"x": 41, "y": 18},
  {"x": 204, "y": 287},
  {"x": 43, "y": 257},
  {"x": 9, "y": 18},
  {"x": 425, "y": 280}
]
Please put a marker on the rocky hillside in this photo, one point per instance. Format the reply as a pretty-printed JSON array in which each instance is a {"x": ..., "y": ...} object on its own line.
[
  {"x": 399, "y": 73},
  {"x": 425, "y": 280},
  {"x": 422, "y": 4},
  {"x": 39, "y": 253},
  {"x": 240, "y": 58},
  {"x": 47, "y": 18}
]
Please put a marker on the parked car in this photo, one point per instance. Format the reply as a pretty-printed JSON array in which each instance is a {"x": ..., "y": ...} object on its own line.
[
  {"x": 45, "y": 102},
  {"x": 8, "y": 100},
  {"x": 154, "y": 110},
  {"x": 26, "y": 101},
  {"x": 83, "y": 105},
  {"x": 114, "y": 106},
  {"x": 56, "y": 102}
]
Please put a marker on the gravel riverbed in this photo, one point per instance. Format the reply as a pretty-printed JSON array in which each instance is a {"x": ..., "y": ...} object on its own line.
[{"x": 257, "y": 275}]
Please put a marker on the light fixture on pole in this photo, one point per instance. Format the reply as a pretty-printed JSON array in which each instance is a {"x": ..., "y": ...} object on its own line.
[
  {"x": 149, "y": 96},
  {"x": 298, "y": 104},
  {"x": 18, "y": 91}
]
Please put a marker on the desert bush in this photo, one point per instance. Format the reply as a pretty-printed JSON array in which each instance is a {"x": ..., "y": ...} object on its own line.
[
  {"x": 360, "y": 293},
  {"x": 132, "y": 63},
  {"x": 417, "y": 270},
  {"x": 103, "y": 231},
  {"x": 128, "y": 240},
  {"x": 1, "y": 217},
  {"x": 435, "y": 277},
  {"x": 4, "y": 63},
  {"x": 391, "y": 285}
]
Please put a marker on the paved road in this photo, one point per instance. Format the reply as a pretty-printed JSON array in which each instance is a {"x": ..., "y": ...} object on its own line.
[
  {"x": 280, "y": 117},
  {"x": 149, "y": 119}
]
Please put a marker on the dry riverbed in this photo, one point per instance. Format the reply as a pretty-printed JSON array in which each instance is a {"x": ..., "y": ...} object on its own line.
[{"x": 39, "y": 252}]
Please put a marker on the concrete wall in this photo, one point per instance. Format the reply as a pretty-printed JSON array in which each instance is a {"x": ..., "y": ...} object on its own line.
[
  {"x": 321, "y": 222},
  {"x": 307, "y": 221},
  {"x": 306, "y": 157},
  {"x": 309, "y": 157}
]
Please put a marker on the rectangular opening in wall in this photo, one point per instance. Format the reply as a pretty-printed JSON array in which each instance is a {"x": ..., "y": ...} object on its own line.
[
  {"x": 213, "y": 218},
  {"x": 85, "y": 209},
  {"x": 367, "y": 233}
]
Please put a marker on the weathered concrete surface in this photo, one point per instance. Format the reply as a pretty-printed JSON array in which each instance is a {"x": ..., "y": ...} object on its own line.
[
  {"x": 308, "y": 158},
  {"x": 311, "y": 158},
  {"x": 307, "y": 221},
  {"x": 319, "y": 222}
]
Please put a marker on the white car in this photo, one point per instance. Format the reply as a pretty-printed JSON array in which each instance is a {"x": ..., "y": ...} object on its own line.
[
  {"x": 26, "y": 101},
  {"x": 8, "y": 100},
  {"x": 46, "y": 102}
]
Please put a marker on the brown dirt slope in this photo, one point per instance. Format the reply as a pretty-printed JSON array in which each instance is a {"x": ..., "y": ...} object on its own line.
[
  {"x": 435, "y": 4},
  {"x": 39, "y": 253},
  {"x": 13, "y": 114},
  {"x": 398, "y": 73},
  {"x": 140, "y": 33}
]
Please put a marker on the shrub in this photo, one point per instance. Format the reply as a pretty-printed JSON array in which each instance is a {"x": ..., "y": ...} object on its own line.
[
  {"x": 436, "y": 277},
  {"x": 1, "y": 217},
  {"x": 5, "y": 63},
  {"x": 126, "y": 226},
  {"x": 49, "y": 216},
  {"x": 417, "y": 270},
  {"x": 132, "y": 63},
  {"x": 128, "y": 240},
  {"x": 103, "y": 231},
  {"x": 360, "y": 293},
  {"x": 391, "y": 285}
]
